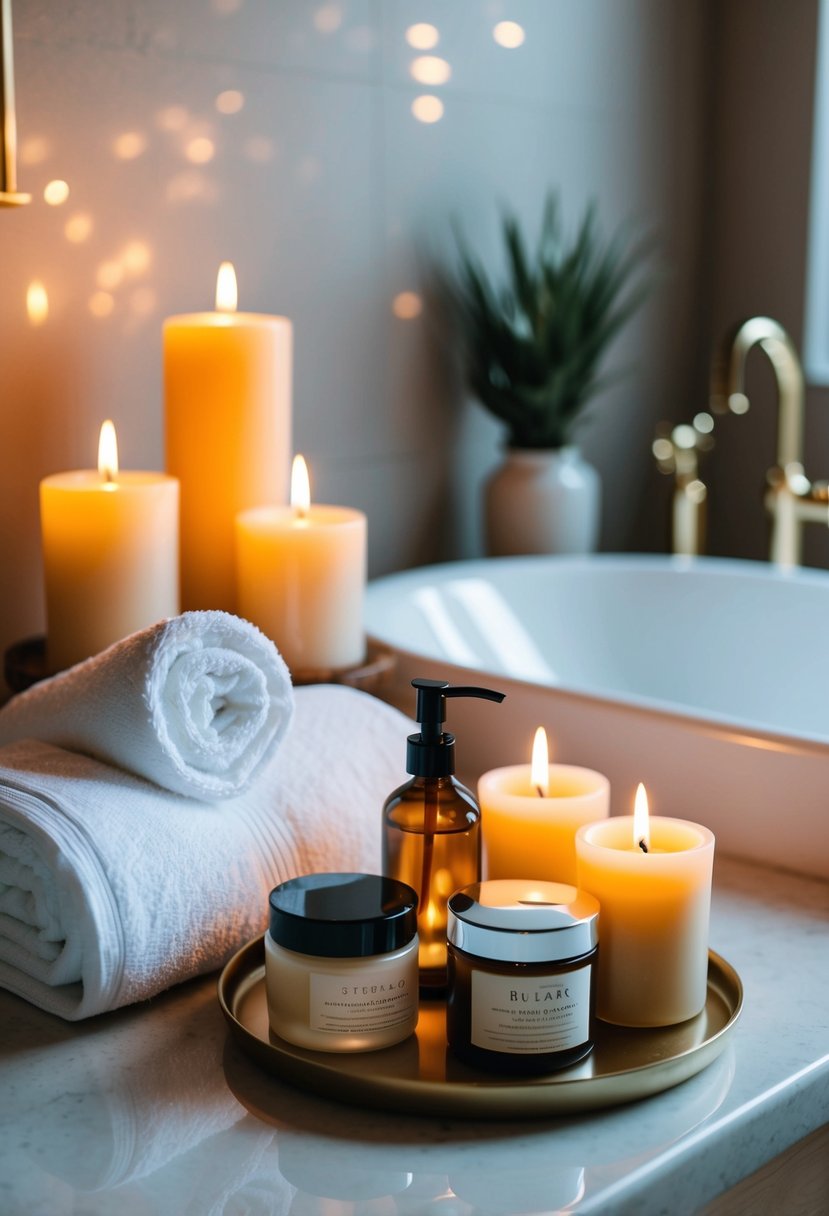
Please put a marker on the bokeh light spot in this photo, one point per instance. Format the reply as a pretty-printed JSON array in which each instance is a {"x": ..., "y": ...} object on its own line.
[
  {"x": 427, "y": 108},
  {"x": 56, "y": 192},
  {"x": 422, "y": 36},
  {"x": 430, "y": 69},
  {"x": 37, "y": 302},
  {"x": 509, "y": 34},
  {"x": 130, "y": 145},
  {"x": 231, "y": 101},
  {"x": 407, "y": 305},
  {"x": 200, "y": 150},
  {"x": 101, "y": 304},
  {"x": 78, "y": 228}
]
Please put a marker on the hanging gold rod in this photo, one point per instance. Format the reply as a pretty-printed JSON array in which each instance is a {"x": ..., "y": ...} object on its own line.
[{"x": 10, "y": 196}]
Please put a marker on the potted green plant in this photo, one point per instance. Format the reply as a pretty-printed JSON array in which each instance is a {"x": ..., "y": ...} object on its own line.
[{"x": 533, "y": 350}]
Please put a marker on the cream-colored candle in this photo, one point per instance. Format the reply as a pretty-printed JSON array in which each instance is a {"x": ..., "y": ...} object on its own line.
[
  {"x": 301, "y": 574},
  {"x": 530, "y": 813},
  {"x": 652, "y": 878},
  {"x": 110, "y": 554},
  {"x": 227, "y": 387}
]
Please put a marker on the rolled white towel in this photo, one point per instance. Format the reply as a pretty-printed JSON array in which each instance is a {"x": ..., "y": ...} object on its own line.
[
  {"x": 111, "y": 891},
  {"x": 195, "y": 704}
]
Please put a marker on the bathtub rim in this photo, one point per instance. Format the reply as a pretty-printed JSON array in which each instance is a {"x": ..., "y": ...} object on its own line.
[{"x": 746, "y": 731}]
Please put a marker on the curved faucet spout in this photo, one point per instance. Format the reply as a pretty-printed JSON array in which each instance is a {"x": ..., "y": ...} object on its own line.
[{"x": 728, "y": 375}]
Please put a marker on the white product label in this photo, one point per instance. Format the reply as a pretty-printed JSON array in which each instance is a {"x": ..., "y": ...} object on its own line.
[
  {"x": 531, "y": 1015},
  {"x": 367, "y": 1002}
]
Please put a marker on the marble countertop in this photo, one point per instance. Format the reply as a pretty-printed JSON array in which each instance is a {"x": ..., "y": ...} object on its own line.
[{"x": 154, "y": 1110}]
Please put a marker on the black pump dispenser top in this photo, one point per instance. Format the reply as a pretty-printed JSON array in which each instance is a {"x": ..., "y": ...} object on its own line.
[{"x": 432, "y": 752}]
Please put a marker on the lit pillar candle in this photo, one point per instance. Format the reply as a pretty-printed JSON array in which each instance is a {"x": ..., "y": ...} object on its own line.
[
  {"x": 227, "y": 387},
  {"x": 530, "y": 813},
  {"x": 301, "y": 573},
  {"x": 652, "y": 878},
  {"x": 110, "y": 554}
]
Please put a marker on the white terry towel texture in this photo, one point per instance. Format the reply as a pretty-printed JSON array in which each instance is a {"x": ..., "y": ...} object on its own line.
[
  {"x": 195, "y": 704},
  {"x": 112, "y": 890}
]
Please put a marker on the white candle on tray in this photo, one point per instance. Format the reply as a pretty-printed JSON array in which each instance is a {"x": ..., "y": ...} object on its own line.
[{"x": 652, "y": 878}]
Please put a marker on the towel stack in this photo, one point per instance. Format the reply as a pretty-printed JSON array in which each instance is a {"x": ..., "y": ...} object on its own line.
[{"x": 121, "y": 872}]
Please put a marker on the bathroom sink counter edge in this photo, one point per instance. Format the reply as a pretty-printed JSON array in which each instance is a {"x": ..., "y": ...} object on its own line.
[{"x": 153, "y": 1109}]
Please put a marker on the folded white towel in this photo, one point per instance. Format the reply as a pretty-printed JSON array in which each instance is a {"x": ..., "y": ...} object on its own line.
[
  {"x": 195, "y": 704},
  {"x": 111, "y": 890}
]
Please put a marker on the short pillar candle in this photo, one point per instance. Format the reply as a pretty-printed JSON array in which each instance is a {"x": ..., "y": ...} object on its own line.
[
  {"x": 110, "y": 554},
  {"x": 654, "y": 891},
  {"x": 301, "y": 574},
  {"x": 530, "y": 814}
]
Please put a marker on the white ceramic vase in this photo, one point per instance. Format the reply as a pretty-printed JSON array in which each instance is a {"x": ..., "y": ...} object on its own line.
[{"x": 542, "y": 501}]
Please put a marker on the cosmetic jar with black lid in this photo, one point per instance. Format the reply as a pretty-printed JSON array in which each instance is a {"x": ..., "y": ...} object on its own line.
[
  {"x": 522, "y": 960},
  {"x": 341, "y": 961}
]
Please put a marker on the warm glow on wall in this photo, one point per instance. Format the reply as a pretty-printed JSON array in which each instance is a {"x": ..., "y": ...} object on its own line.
[
  {"x": 172, "y": 118},
  {"x": 422, "y": 36},
  {"x": 78, "y": 228},
  {"x": 430, "y": 69},
  {"x": 200, "y": 151},
  {"x": 143, "y": 302},
  {"x": 259, "y": 149},
  {"x": 34, "y": 151},
  {"x": 407, "y": 305},
  {"x": 427, "y": 108},
  {"x": 56, "y": 192},
  {"x": 101, "y": 304},
  {"x": 109, "y": 275},
  {"x": 130, "y": 145},
  {"x": 37, "y": 302},
  {"x": 509, "y": 34},
  {"x": 135, "y": 258},
  {"x": 328, "y": 18},
  {"x": 231, "y": 101}
]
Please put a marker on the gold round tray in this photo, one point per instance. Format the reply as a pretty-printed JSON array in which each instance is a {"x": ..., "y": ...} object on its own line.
[{"x": 422, "y": 1076}]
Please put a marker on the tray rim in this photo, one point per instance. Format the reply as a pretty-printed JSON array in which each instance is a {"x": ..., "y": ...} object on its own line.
[{"x": 510, "y": 1097}]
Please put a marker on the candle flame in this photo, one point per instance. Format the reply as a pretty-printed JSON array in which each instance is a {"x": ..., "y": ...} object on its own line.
[
  {"x": 227, "y": 295},
  {"x": 641, "y": 820},
  {"x": 540, "y": 767},
  {"x": 108, "y": 452},
  {"x": 300, "y": 487}
]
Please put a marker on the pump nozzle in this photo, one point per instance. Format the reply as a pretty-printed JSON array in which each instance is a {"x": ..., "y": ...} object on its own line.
[{"x": 430, "y": 754}]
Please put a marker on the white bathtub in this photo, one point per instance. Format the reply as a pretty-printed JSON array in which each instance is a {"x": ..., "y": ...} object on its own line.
[{"x": 706, "y": 679}]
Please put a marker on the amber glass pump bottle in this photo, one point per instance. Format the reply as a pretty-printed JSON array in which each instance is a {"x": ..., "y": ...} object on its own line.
[{"x": 432, "y": 826}]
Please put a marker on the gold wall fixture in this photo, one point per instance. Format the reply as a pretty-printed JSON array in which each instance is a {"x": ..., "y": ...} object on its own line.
[{"x": 10, "y": 196}]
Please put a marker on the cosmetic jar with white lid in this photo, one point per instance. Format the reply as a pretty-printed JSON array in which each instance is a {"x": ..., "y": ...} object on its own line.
[
  {"x": 341, "y": 962},
  {"x": 522, "y": 960}
]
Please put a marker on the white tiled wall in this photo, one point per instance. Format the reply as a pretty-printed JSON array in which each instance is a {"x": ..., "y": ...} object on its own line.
[{"x": 331, "y": 199}]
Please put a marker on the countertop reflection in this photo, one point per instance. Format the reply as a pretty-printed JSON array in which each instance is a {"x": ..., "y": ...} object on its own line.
[{"x": 154, "y": 1109}]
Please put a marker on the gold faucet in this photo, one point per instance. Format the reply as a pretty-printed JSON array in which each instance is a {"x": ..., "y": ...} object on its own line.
[
  {"x": 791, "y": 499},
  {"x": 677, "y": 450}
]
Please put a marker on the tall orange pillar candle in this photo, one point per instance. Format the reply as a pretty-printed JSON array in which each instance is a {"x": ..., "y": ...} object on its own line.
[
  {"x": 652, "y": 878},
  {"x": 110, "y": 554},
  {"x": 530, "y": 813},
  {"x": 301, "y": 579},
  {"x": 227, "y": 386}
]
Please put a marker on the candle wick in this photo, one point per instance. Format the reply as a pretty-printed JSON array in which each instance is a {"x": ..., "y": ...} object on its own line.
[
  {"x": 643, "y": 846},
  {"x": 300, "y": 512},
  {"x": 539, "y": 791}
]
